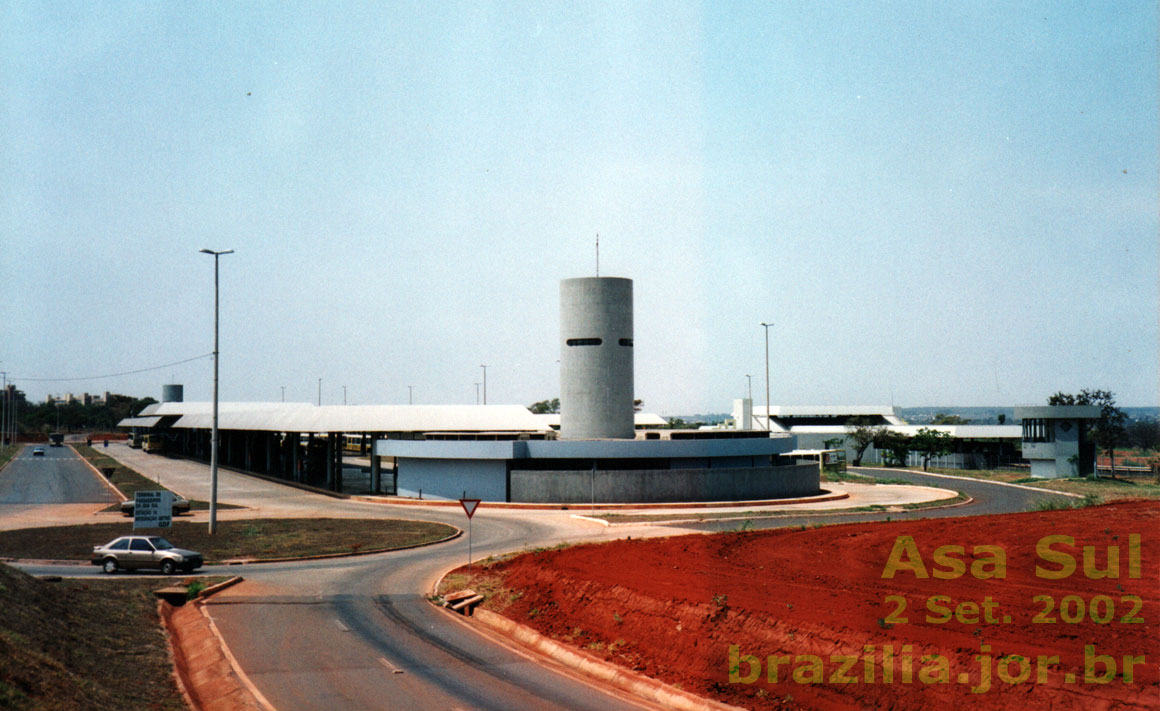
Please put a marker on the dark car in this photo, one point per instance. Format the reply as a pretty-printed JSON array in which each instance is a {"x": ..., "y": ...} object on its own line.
[
  {"x": 180, "y": 506},
  {"x": 136, "y": 552}
]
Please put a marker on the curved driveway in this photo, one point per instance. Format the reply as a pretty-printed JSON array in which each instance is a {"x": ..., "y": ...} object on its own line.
[{"x": 358, "y": 633}]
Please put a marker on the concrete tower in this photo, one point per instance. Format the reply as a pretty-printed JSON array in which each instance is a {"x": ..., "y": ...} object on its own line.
[{"x": 596, "y": 358}]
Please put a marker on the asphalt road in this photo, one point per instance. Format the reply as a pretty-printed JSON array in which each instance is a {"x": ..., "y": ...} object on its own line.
[
  {"x": 358, "y": 633},
  {"x": 59, "y": 477}
]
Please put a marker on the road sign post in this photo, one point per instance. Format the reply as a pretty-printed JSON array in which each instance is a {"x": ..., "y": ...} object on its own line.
[
  {"x": 469, "y": 507},
  {"x": 153, "y": 509}
]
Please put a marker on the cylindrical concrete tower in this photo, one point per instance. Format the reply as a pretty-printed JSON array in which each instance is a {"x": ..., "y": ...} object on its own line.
[
  {"x": 596, "y": 358},
  {"x": 172, "y": 393}
]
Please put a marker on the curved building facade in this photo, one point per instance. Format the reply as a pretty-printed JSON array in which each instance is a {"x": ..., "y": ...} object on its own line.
[{"x": 596, "y": 363}]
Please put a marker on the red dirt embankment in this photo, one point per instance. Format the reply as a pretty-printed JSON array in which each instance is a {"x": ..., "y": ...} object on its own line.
[{"x": 802, "y": 619}]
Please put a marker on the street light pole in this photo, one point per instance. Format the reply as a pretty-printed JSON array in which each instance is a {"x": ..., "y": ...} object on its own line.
[
  {"x": 4, "y": 410},
  {"x": 320, "y": 392},
  {"x": 344, "y": 395},
  {"x": 213, "y": 446},
  {"x": 768, "y": 426},
  {"x": 283, "y": 393},
  {"x": 484, "y": 383},
  {"x": 749, "y": 385},
  {"x": 477, "y": 393},
  {"x": 410, "y": 394}
]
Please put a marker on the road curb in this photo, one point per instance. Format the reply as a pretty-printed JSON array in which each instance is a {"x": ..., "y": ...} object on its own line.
[
  {"x": 587, "y": 665},
  {"x": 207, "y": 670},
  {"x": 515, "y": 506},
  {"x": 583, "y": 664},
  {"x": 98, "y": 473},
  {"x": 329, "y": 556},
  {"x": 253, "y": 561}
]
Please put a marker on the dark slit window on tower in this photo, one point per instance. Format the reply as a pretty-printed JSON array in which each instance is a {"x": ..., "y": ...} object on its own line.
[
  {"x": 584, "y": 341},
  {"x": 626, "y": 342}
]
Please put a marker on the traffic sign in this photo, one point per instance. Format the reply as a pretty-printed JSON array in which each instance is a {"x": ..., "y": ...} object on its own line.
[
  {"x": 469, "y": 505},
  {"x": 153, "y": 509}
]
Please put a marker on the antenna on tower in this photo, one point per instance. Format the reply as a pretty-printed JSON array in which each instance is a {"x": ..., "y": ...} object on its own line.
[{"x": 597, "y": 254}]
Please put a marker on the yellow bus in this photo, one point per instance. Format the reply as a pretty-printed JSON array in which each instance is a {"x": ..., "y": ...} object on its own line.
[{"x": 154, "y": 444}]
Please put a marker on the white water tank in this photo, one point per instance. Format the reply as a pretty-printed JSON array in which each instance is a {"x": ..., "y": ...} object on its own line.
[{"x": 596, "y": 366}]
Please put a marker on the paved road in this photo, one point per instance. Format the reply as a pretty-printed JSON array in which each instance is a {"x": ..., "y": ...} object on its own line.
[
  {"x": 59, "y": 477},
  {"x": 989, "y": 498},
  {"x": 330, "y": 634}
]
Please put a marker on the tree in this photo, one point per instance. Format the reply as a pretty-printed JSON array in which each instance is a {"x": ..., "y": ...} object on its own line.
[
  {"x": 896, "y": 444},
  {"x": 546, "y": 407},
  {"x": 863, "y": 432},
  {"x": 637, "y": 405},
  {"x": 932, "y": 443},
  {"x": 942, "y": 418},
  {"x": 1143, "y": 433},
  {"x": 1108, "y": 431}
]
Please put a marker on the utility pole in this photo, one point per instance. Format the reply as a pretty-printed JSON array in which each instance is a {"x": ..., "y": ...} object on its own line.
[
  {"x": 213, "y": 448},
  {"x": 283, "y": 393},
  {"x": 410, "y": 394},
  {"x": 484, "y": 383},
  {"x": 768, "y": 417},
  {"x": 320, "y": 392},
  {"x": 477, "y": 393}
]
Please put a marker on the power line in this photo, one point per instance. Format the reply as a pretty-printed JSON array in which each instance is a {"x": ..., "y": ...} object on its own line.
[{"x": 113, "y": 375}]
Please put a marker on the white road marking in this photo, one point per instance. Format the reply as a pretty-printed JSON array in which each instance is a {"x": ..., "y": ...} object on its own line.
[
  {"x": 394, "y": 669},
  {"x": 341, "y": 626}
]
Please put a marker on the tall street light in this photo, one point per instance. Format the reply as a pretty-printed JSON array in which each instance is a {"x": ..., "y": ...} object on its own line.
[
  {"x": 410, "y": 394},
  {"x": 767, "y": 415},
  {"x": 213, "y": 445},
  {"x": 749, "y": 385},
  {"x": 484, "y": 383}
]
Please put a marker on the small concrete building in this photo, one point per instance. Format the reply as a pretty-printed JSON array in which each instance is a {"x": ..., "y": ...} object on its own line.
[{"x": 1054, "y": 440}]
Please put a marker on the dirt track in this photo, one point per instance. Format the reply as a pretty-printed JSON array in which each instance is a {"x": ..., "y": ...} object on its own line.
[{"x": 769, "y": 619}]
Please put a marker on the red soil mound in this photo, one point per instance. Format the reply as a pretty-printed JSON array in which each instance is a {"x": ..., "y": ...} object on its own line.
[{"x": 802, "y": 619}]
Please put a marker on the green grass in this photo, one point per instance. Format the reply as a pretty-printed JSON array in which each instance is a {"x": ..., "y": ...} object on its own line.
[
  {"x": 130, "y": 481},
  {"x": 7, "y": 454},
  {"x": 245, "y": 539},
  {"x": 74, "y": 644},
  {"x": 1136, "y": 487}
]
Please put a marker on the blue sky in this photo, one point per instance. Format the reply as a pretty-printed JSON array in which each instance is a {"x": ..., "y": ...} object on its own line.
[{"x": 935, "y": 203}]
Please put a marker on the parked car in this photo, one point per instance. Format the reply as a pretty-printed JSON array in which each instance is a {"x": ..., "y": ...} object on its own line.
[
  {"x": 38, "y": 452},
  {"x": 135, "y": 552},
  {"x": 180, "y": 505}
]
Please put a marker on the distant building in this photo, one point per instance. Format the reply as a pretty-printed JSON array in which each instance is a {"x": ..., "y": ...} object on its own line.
[{"x": 1055, "y": 442}]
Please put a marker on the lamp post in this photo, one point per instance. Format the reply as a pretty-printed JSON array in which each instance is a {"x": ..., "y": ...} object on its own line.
[
  {"x": 768, "y": 427},
  {"x": 4, "y": 410},
  {"x": 484, "y": 383},
  {"x": 320, "y": 392},
  {"x": 410, "y": 394},
  {"x": 344, "y": 395},
  {"x": 477, "y": 393},
  {"x": 283, "y": 393},
  {"x": 749, "y": 385},
  {"x": 213, "y": 445}
]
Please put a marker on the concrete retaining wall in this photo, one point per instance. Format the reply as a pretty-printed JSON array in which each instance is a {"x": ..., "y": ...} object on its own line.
[{"x": 662, "y": 485}]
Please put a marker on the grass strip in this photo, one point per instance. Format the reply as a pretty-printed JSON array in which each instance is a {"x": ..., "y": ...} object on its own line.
[
  {"x": 73, "y": 644},
  {"x": 7, "y": 454},
  {"x": 260, "y": 539},
  {"x": 1105, "y": 488},
  {"x": 130, "y": 481}
]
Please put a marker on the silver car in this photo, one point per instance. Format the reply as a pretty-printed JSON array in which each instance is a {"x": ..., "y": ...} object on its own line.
[{"x": 135, "y": 552}]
